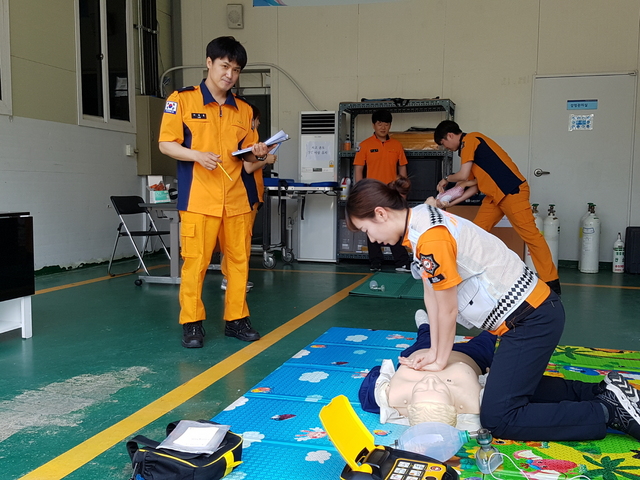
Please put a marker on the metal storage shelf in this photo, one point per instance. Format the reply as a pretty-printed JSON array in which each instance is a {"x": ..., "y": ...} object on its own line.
[
  {"x": 437, "y": 160},
  {"x": 401, "y": 106},
  {"x": 408, "y": 153}
]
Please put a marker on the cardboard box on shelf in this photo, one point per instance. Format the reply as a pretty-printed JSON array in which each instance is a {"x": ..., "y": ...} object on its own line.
[
  {"x": 503, "y": 230},
  {"x": 415, "y": 140}
]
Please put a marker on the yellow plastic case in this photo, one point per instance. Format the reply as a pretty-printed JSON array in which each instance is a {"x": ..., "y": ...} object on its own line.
[{"x": 365, "y": 460}]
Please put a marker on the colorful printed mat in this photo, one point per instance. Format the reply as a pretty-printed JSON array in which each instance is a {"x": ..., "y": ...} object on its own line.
[{"x": 284, "y": 438}]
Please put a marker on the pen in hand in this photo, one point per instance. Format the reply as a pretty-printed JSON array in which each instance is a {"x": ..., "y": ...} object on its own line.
[{"x": 225, "y": 172}]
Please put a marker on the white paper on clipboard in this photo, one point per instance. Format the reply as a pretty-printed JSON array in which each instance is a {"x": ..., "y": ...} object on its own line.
[{"x": 273, "y": 140}]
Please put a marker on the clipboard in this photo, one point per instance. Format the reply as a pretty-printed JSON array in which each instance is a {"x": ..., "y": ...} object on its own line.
[{"x": 273, "y": 140}]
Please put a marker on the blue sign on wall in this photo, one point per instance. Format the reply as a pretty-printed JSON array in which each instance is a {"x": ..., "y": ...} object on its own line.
[{"x": 582, "y": 104}]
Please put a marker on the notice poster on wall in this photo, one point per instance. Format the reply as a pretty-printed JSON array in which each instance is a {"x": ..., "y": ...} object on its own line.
[
  {"x": 307, "y": 3},
  {"x": 580, "y": 122},
  {"x": 318, "y": 152}
]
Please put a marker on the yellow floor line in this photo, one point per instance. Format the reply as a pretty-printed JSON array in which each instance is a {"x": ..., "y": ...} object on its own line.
[
  {"x": 83, "y": 453},
  {"x": 100, "y": 279}
]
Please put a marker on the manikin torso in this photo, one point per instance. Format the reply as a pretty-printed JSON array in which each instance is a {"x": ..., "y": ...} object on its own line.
[{"x": 457, "y": 384}]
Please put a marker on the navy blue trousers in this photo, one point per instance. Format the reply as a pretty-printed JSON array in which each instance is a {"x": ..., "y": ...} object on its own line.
[
  {"x": 400, "y": 254},
  {"x": 519, "y": 402}
]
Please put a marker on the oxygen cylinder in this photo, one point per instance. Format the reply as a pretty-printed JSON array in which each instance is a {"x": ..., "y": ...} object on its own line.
[
  {"x": 618, "y": 255},
  {"x": 552, "y": 232},
  {"x": 589, "y": 252},
  {"x": 586, "y": 214},
  {"x": 540, "y": 226}
]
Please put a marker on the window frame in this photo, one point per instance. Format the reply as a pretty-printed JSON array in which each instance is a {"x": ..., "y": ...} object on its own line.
[
  {"x": 5, "y": 60},
  {"x": 106, "y": 122}
]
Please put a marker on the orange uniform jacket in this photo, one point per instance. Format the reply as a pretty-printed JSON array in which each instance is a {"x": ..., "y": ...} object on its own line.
[
  {"x": 194, "y": 119},
  {"x": 381, "y": 159},
  {"x": 497, "y": 174}
]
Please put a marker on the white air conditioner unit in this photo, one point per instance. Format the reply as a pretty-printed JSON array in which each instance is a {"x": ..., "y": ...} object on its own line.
[{"x": 318, "y": 147}]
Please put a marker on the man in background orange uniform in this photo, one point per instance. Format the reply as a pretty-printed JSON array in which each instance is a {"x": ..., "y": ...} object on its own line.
[
  {"x": 201, "y": 127},
  {"x": 506, "y": 190},
  {"x": 385, "y": 160}
]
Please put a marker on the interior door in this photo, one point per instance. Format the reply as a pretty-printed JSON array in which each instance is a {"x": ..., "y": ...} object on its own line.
[{"x": 581, "y": 152}]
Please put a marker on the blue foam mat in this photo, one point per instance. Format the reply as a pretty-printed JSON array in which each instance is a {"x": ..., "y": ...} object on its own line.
[{"x": 278, "y": 417}]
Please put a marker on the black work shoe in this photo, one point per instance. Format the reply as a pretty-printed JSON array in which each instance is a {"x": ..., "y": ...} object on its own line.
[
  {"x": 555, "y": 286},
  {"x": 241, "y": 329},
  {"x": 375, "y": 268},
  {"x": 622, "y": 401},
  {"x": 193, "y": 334}
]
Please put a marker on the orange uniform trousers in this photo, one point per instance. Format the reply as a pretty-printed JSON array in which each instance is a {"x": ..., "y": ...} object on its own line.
[
  {"x": 518, "y": 210},
  {"x": 223, "y": 264},
  {"x": 199, "y": 234}
]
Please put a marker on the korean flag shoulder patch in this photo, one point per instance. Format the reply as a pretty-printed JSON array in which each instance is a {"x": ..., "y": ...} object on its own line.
[
  {"x": 171, "y": 107},
  {"x": 429, "y": 264}
]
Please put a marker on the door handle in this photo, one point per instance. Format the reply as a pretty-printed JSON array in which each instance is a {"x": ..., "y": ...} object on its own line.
[{"x": 538, "y": 172}]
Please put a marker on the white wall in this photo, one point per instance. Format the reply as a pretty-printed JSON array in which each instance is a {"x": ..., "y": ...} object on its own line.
[
  {"x": 60, "y": 172},
  {"x": 482, "y": 55},
  {"x": 64, "y": 174}
]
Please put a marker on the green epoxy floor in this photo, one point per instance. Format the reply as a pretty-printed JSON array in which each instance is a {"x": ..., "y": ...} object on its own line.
[{"x": 103, "y": 350}]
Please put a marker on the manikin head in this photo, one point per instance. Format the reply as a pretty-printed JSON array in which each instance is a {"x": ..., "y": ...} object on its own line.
[{"x": 431, "y": 401}]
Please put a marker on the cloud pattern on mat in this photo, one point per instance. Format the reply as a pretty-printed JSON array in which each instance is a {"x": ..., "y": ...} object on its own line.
[
  {"x": 238, "y": 403},
  {"x": 313, "y": 377},
  {"x": 319, "y": 456},
  {"x": 249, "y": 437},
  {"x": 356, "y": 338},
  {"x": 302, "y": 353}
]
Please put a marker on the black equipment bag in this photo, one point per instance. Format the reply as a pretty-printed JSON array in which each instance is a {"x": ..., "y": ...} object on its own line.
[{"x": 151, "y": 463}]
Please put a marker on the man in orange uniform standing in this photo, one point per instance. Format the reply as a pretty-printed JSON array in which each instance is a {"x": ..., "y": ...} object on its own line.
[
  {"x": 385, "y": 159},
  {"x": 506, "y": 190},
  {"x": 201, "y": 127}
]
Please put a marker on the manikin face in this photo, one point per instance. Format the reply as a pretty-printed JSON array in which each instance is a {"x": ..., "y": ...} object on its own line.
[
  {"x": 381, "y": 129},
  {"x": 378, "y": 229},
  {"x": 451, "y": 142},
  {"x": 223, "y": 73},
  {"x": 432, "y": 389}
]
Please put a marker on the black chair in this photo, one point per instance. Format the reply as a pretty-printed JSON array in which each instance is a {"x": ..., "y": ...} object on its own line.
[{"x": 130, "y": 205}]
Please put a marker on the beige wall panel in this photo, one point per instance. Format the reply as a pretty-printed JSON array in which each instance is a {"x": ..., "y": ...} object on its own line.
[
  {"x": 489, "y": 62},
  {"x": 259, "y": 35},
  {"x": 58, "y": 92},
  {"x": 400, "y": 50},
  {"x": 193, "y": 44},
  {"x": 318, "y": 47},
  {"x": 47, "y": 37},
  {"x": 419, "y": 85},
  {"x": 588, "y": 36},
  {"x": 318, "y": 41}
]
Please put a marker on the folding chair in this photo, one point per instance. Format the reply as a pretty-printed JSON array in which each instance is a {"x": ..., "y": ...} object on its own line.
[{"x": 130, "y": 205}]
